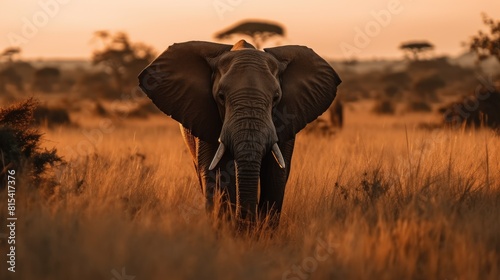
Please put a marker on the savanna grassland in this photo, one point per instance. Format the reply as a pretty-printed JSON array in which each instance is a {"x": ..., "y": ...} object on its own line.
[{"x": 381, "y": 199}]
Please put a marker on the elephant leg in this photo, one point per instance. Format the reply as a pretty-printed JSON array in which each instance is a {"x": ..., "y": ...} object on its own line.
[
  {"x": 219, "y": 183},
  {"x": 226, "y": 186},
  {"x": 272, "y": 183}
]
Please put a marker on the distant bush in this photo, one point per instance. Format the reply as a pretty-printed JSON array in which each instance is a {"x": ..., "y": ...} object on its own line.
[
  {"x": 46, "y": 79},
  {"x": 418, "y": 106},
  {"x": 20, "y": 142},
  {"x": 427, "y": 87},
  {"x": 474, "y": 111},
  {"x": 384, "y": 107},
  {"x": 51, "y": 116},
  {"x": 9, "y": 76},
  {"x": 97, "y": 85},
  {"x": 396, "y": 82},
  {"x": 391, "y": 91}
]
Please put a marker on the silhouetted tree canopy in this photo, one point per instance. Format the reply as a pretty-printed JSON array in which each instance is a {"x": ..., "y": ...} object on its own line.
[
  {"x": 259, "y": 31},
  {"x": 9, "y": 53},
  {"x": 415, "y": 48},
  {"x": 484, "y": 44},
  {"x": 122, "y": 58}
]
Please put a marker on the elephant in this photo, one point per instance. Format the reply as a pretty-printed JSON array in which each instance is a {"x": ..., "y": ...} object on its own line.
[{"x": 239, "y": 110}]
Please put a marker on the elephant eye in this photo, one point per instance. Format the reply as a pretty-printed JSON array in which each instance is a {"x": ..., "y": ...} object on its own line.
[
  {"x": 276, "y": 97},
  {"x": 221, "y": 96}
]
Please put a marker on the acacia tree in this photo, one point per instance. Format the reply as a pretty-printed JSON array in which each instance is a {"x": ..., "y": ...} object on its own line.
[
  {"x": 484, "y": 44},
  {"x": 259, "y": 31},
  {"x": 122, "y": 58},
  {"x": 416, "y": 48},
  {"x": 9, "y": 53}
]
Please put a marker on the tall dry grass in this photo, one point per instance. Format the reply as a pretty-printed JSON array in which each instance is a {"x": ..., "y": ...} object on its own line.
[{"x": 376, "y": 201}]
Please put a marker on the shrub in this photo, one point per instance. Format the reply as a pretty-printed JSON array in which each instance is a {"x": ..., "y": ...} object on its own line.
[
  {"x": 20, "y": 142},
  {"x": 10, "y": 76},
  {"x": 418, "y": 106},
  {"x": 474, "y": 111},
  {"x": 427, "y": 87},
  {"x": 46, "y": 79},
  {"x": 97, "y": 85},
  {"x": 384, "y": 107},
  {"x": 51, "y": 116},
  {"x": 398, "y": 80},
  {"x": 392, "y": 91}
]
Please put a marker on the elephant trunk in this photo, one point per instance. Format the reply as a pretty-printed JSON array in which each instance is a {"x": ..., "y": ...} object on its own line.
[
  {"x": 250, "y": 140},
  {"x": 247, "y": 180}
]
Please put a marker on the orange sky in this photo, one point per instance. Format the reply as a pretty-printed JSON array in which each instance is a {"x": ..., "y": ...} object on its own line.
[{"x": 64, "y": 28}]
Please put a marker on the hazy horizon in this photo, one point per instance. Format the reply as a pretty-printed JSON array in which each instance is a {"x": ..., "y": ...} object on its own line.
[{"x": 63, "y": 29}]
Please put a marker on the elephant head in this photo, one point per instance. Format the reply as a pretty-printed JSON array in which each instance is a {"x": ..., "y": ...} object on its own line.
[{"x": 242, "y": 99}]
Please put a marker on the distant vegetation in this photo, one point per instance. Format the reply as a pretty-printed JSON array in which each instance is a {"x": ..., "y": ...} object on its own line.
[
  {"x": 422, "y": 81},
  {"x": 116, "y": 63},
  {"x": 487, "y": 44},
  {"x": 111, "y": 76},
  {"x": 420, "y": 84}
]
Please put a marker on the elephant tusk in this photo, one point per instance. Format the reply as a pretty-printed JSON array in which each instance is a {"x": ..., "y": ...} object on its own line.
[
  {"x": 278, "y": 156},
  {"x": 218, "y": 156}
]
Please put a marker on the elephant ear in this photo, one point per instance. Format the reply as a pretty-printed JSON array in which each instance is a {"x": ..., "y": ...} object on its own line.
[
  {"x": 308, "y": 85},
  {"x": 179, "y": 82}
]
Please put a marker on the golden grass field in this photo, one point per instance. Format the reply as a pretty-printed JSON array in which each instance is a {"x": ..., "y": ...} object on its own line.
[{"x": 379, "y": 200}]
